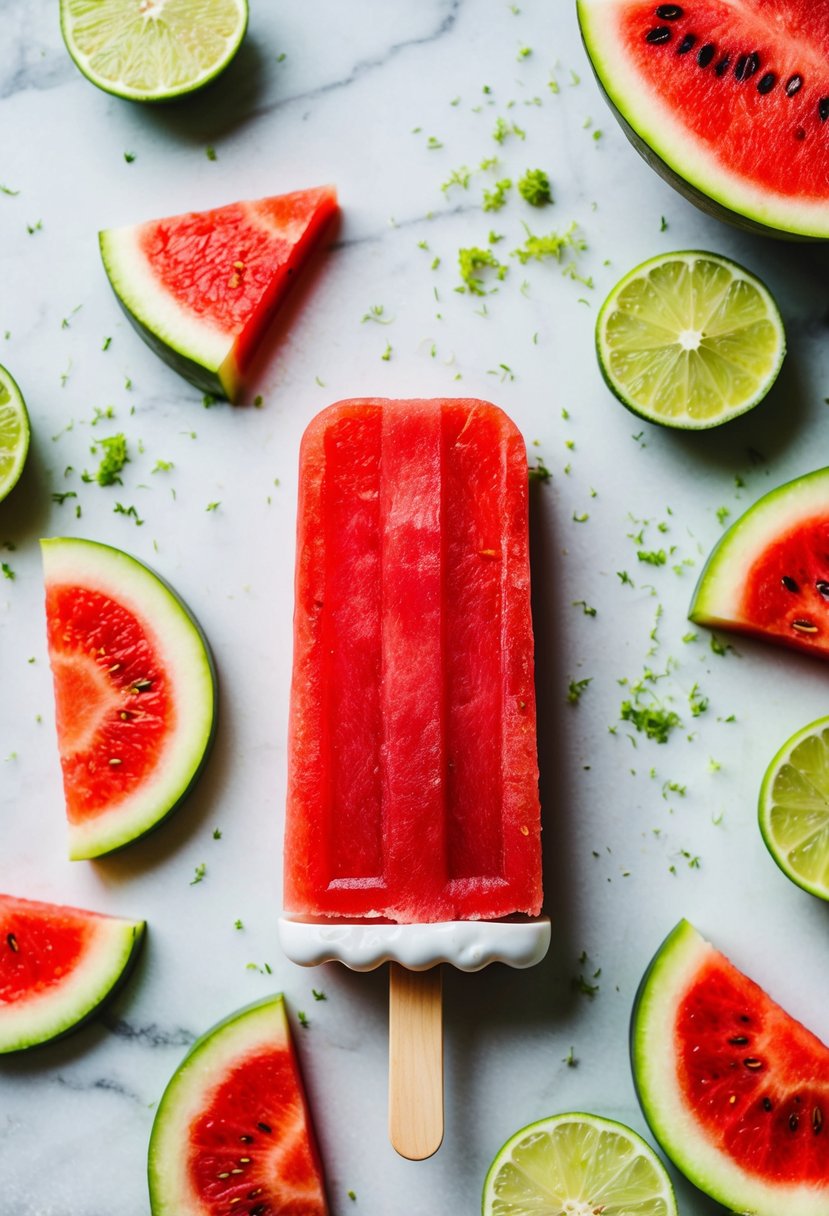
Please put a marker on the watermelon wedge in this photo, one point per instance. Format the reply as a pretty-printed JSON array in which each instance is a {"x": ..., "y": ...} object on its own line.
[
  {"x": 768, "y": 576},
  {"x": 57, "y": 967},
  {"x": 135, "y": 696},
  {"x": 728, "y": 101},
  {"x": 233, "y": 1131},
  {"x": 201, "y": 288},
  {"x": 735, "y": 1090}
]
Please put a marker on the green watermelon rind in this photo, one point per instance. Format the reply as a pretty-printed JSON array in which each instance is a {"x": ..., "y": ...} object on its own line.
[
  {"x": 666, "y": 146},
  {"x": 65, "y": 1008},
  {"x": 261, "y": 1024},
  {"x": 197, "y": 350},
  {"x": 719, "y": 590},
  {"x": 185, "y": 652},
  {"x": 765, "y": 804},
  {"x": 653, "y": 1061},
  {"x": 686, "y": 424}
]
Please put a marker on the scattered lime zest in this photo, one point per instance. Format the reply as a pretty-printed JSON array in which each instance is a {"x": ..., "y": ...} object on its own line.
[
  {"x": 474, "y": 259},
  {"x": 495, "y": 199},
  {"x": 113, "y": 460},
  {"x": 576, "y": 688},
  {"x": 200, "y": 873},
  {"x": 534, "y": 186}
]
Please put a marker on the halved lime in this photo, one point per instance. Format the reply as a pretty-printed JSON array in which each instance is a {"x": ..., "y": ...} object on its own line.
[
  {"x": 794, "y": 808},
  {"x": 14, "y": 433},
  {"x": 690, "y": 340},
  {"x": 152, "y": 50},
  {"x": 578, "y": 1165}
]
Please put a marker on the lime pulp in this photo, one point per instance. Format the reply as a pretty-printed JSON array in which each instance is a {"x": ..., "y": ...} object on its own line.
[
  {"x": 152, "y": 50},
  {"x": 794, "y": 808},
  {"x": 577, "y": 1165},
  {"x": 14, "y": 433},
  {"x": 690, "y": 340}
]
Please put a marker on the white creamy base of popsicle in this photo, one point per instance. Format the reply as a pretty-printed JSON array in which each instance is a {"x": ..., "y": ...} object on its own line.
[{"x": 468, "y": 945}]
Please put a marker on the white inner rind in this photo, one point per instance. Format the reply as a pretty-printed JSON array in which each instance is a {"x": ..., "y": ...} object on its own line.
[
  {"x": 719, "y": 594},
  {"x": 654, "y": 1050},
  {"x": 260, "y": 1027},
  {"x": 674, "y": 143},
  {"x": 36, "y": 1019},
  {"x": 468, "y": 945},
  {"x": 143, "y": 294},
  {"x": 182, "y": 654}
]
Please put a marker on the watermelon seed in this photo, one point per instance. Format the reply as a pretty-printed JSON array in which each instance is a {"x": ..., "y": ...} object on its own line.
[
  {"x": 246, "y": 1139},
  {"x": 823, "y": 588},
  {"x": 114, "y": 667},
  {"x": 263, "y": 1127},
  {"x": 244, "y": 1160},
  {"x": 141, "y": 685},
  {"x": 753, "y": 1063},
  {"x": 237, "y": 1171},
  {"x": 766, "y": 83},
  {"x": 739, "y": 1040},
  {"x": 800, "y": 133},
  {"x": 767, "y": 1104},
  {"x": 706, "y": 54},
  {"x": 789, "y": 583},
  {"x": 125, "y": 715},
  {"x": 817, "y": 1120},
  {"x": 114, "y": 761},
  {"x": 659, "y": 35},
  {"x": 746, "y": 66},
  {"x": 823, "y": 109},
  {"x": 226, "y": 1174},
  {"x": 794, "y": 1122},
  {"x": 722, "y": 66},
  {"x": 686, "y": 44},
  {"x": 11, "y": 942},
  {"x": 793, "y": 85},
  {"x": 669, "y": 12},
  {"x": 258, "y": 1210},
  {"x": 804, "y": 627}
]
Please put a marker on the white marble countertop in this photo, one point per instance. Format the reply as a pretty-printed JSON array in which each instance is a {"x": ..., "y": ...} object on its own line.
[{"x": 359, "y": 93}]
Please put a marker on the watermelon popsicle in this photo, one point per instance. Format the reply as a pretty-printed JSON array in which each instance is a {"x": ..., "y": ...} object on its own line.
[{"x": 413, "y": 822}]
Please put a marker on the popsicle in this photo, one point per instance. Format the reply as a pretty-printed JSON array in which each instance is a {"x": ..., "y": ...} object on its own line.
[{"x": 413, "y": 820}]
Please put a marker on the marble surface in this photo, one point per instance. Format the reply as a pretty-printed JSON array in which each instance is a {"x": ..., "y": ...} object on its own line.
[{"x": 385, "y": 99}]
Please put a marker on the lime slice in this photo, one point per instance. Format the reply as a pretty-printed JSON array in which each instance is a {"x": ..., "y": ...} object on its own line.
[
  {"x": 152, "y": 50},
  {"x": 577, "y": 1165},
  {"x": 14, "y": 433},
  {"x": 794, "y": 808},
  {"x": 690, "y": 340}
]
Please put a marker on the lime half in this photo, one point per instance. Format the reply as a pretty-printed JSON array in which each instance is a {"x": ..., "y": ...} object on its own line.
[
  {"x": 794, "y": 808},
  {"x": 577, "y": 1165},
  {"x": 14, "y": 433},
  {"x": 152, "y": 50},
  {"x": 690, "y": 340}
]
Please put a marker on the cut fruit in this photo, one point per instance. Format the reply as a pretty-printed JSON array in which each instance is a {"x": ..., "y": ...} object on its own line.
[
  {"x": 57, "y": 966},
  {"x": 768, "y": 576},
  {"x": 727, "y": 101},
  {"x": 690, "y": 340},
  {"x": 135, "y": 694},
  {"x": 233, "y": 1131},
  {"x": 14, "y": 433},
  {"x": 577, "y": 1164},
  {"x": 794, "y": 808},
  {"x": 152, "y": 50},
  {"x": 734, "y": 1089},
  {"x": 201, "y": 288}
]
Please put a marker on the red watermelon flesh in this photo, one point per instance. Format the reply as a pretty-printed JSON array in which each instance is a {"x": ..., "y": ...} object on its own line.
[
  {"x": 755, "y": 1079},
  {"x": 787, "y": 589},
  {"x": 41, "y": 944}
]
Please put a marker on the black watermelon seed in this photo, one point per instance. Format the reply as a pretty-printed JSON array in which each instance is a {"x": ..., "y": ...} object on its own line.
[
  {"x": 790, "y": 584},
  {"x": 686, "y": 44},
  {"x": 746, "y": 66},
  {"x": 263, "y": 1127},
  {"x": 766, "y": 83},
  {"x": 744, "y": 1017},
  {"x": 706, "y": 54},
  {"x": 723, "y": 66},
  {"x": 11, "y": 942},
  {"x": 259, "y": 1210},
  {"x": 793, "y": 85},
  {"x": 823, "y": 588},
  {"x": 767, "y": 1104},
  {"x": 246, "y": 1139},
  {"x": 817, "y": 1120},
  {"x": 739, "y": 1040},
  {"x": 823, "y": 109},
  {"x": 800, "y": 133},
  {"x": 794, "y": 1122},
  {"x": 659, "y": 35},
  {"x": 669, "y": 12}
]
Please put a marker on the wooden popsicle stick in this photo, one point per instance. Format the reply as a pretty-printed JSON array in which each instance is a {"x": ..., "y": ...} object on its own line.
[{"x": 415, "y": 1061}]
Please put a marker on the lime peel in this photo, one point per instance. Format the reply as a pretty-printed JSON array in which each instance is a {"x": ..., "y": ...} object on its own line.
[{"x": 794, "y": 808}]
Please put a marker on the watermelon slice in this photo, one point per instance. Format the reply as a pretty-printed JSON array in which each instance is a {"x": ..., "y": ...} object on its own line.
[
  {"x": 57, "y": 966},
  {"x": 735, "y": 1090},
  {"x": 135, "y": 696},
  {"x": 233, "y": 1132},
  {"x": 201, "y": 288},
  {"x": 768, "y": 575},
  {"x": 727, "y": 101}
]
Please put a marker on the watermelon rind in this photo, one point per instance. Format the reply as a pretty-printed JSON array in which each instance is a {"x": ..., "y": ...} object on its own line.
[
  {"x": 653, "y": 1060},
  {"x": 64, "y": 1008},
  {"x": 819, "y": 811},
  {"x": 183, "y": 649},
  {"x": 198, "y": 351},
  {"x": 718, "y": 595},
  {"x": 260, "y": 1026},
  {"x": 655, "y": 131}
]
